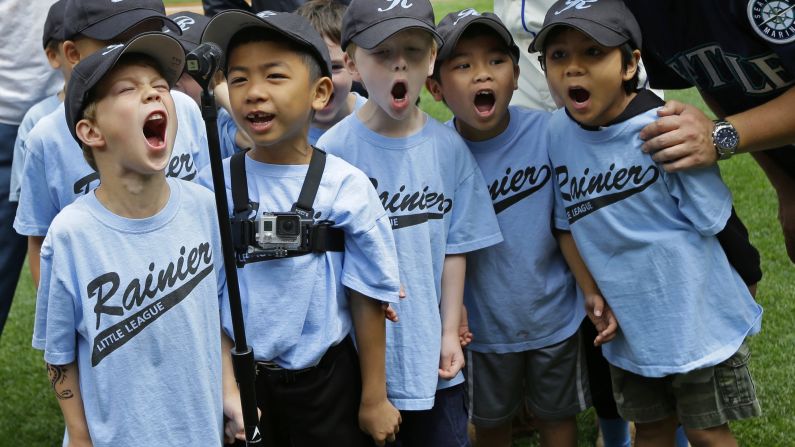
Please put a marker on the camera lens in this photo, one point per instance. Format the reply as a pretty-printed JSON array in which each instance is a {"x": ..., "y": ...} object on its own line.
[{"x": 288, "y": 226}]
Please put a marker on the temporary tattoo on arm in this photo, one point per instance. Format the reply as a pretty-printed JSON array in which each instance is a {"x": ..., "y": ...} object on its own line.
[{"x": 57, "y": 376}]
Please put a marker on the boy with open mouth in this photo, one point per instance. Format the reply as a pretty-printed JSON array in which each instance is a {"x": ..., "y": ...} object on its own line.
[
  {"x": 132, "y": 275},
  {"x": 437, "y": 202},
  {"x": 521, "y": 299},
  {"x": 646, "y": 245}
]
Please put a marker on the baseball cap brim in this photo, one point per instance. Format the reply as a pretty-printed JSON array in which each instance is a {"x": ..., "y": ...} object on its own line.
[
  {"x": 372, "y": 36},
  {"x": 224, "y": 25},
  {"x": 596, "y": 31},
  {"x": 111, "y": 27},
  {"x": 164, "y": 49},
  {"x": 451, "y": 41}
]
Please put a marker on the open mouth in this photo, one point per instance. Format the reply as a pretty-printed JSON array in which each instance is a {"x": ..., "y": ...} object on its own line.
[
  {"x": 155, "y": 129},
  {"x": 579, "y": 95},
  {"x": 259, "y": 119},
  {"x": 399, "y": 91},
  {"x": 484, "y": 101}
]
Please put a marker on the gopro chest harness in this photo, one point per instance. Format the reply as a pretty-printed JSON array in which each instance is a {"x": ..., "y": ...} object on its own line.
[{"x": 295, "y": 234}]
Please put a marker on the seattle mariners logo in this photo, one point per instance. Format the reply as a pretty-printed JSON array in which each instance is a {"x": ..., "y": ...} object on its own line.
[
  {"x": 773, "y": 20},
  {"x": 578, "y": 4}
]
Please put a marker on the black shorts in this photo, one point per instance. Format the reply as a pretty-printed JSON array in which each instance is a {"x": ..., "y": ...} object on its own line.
[{"x": 314, "y": 407}]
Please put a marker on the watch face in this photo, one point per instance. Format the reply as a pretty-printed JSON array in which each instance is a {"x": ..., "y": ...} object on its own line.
[{"x": 726, "y": 137}]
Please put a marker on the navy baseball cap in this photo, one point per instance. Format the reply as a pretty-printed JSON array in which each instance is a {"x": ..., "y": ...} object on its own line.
[
  {"x": 192, "y": 26},
  {"x": 224, "y": 25},
  {"x": 453, "y": 25},
  {"x": 608, "y": 22},
  {"x": 106, "y": 19},
  {"x": 164, "y": 49},
  {"x": 53, "y": 25},
  {"x": 368, "y": 23}
]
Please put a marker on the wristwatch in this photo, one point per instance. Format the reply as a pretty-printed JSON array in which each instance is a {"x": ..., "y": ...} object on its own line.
[{"x": 725, "y": 138}]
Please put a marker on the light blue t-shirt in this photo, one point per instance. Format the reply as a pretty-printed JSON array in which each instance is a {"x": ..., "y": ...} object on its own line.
[
  {"x": 438, "y": 205},
  {"x": 141, "y": 323},
  {"x": 315, "y": 132},
  {"x": 648, "y": 239},
  {"x": 296, "y": 308},
  {"x": 520, "y": 294},
  {"x": 227, "y": 130},
  {"x": 55, "y": 172},
  {"x": 33, "y": 115}
]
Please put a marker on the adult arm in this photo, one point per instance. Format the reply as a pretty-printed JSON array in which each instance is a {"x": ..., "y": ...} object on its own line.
[
  {"x": 452, "y": 357},
  {"x": 377, "y": 416},
  {"x": 66, "y": 386},
  {"x": 682, "y": 137}
]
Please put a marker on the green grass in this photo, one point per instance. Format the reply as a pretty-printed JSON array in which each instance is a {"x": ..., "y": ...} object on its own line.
[{"x": 29, "y": 414}]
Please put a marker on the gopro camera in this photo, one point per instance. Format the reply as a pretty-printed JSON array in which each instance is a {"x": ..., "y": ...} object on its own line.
[{"x": 277, "y": 234}]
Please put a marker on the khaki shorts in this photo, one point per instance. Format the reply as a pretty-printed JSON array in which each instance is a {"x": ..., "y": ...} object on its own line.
[{"x": 702, "y": 398}]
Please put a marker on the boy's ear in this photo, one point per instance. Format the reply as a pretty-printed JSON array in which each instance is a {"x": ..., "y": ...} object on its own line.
[
  {"x": 52, "y": 57},
  {"x": 433, "y": 60},
  {"x": 350, "y": 64},
  {"x": 323, "y": 90},
  {"x": 89, "y": 134},
  {"x": 632, "y": 66},
  {"x": 70, "y": 52},
  {"x": 435, "y": 88}
]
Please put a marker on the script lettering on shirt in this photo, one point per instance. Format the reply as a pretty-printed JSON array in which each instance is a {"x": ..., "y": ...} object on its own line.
[
  {"x": 434, "y": 205},
  {"x": 181, "y": 167},
  {"x": 83, "y": 186},
  {"x": 533, "y": 177},
  {"x": 143, "y": 299},
  {"x": 620, "y": 183},
  {"x": 710, "y": 67}
]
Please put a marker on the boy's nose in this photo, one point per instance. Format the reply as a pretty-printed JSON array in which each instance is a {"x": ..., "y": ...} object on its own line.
[
  {"x": 256, "y": 94},
  {"x": 574, "y": 68},
  {"x": 483, "y": 75},
  {"x": 152, "y": 94},
  {"x": 399, "y": 63}
]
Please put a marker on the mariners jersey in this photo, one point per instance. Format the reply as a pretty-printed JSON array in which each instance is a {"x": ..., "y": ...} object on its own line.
[{"x": 740, "y": 52}]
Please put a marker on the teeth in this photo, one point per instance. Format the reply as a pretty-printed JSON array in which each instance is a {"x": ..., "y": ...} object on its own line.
[{"x": 156, "y": 116}]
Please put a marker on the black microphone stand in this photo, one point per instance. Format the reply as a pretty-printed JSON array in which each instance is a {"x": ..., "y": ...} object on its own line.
[{"x": 201, "y": 65}]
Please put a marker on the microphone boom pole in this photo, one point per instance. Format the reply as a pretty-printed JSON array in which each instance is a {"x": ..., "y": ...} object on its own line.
[{"x": 202, "y": 64}]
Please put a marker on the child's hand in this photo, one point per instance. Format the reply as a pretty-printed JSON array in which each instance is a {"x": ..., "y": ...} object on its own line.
[
  {"x": 464, "y": 336},
  {"x": 234, "y": 428},
  {"x": 389, "y": 312},
  {"x": 602, "y": 317},
  {"x": 380, "y": 420},
  {"x": 451, "y": 359}
]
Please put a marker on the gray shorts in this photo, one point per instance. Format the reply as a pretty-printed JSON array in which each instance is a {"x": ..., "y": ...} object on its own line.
[
  {"x": 553, "y": 380},
  {"x": 702, "y": 398}
]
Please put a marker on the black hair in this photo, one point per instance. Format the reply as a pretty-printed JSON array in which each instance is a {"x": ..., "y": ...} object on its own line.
[
  {"x": 474, "y": 31},
  {"x": 258, "y": 34},
  {"x": 627, "y": 57}
]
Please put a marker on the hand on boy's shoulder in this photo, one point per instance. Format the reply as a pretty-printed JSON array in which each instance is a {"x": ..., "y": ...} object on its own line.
[{"x": 681, "y": 138}]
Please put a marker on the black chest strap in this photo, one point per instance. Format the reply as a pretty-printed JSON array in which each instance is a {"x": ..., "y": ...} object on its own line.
[{"x": 322, "y": 236}]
